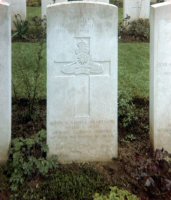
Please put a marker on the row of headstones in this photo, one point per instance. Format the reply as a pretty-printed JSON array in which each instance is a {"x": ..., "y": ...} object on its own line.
[
  {"x": 82, "y": 80},
  {"x": 133, "y": 9}
]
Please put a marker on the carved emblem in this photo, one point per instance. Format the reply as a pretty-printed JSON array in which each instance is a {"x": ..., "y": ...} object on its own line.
[{"x": 83, "y": 63}]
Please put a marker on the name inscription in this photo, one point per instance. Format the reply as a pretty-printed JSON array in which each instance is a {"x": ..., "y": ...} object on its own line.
[
  {"x": 164, "y": 68},
  {"x": 83, "y": 128},
  {"x": 84, "y": 25}
]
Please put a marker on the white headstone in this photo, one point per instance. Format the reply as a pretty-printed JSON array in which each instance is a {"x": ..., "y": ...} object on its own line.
[
  {"x": 45, "y": 3},
  {"x": 17, "y": 7},
  {"x": 5, "y": 80},
  {"x": 160, "y": 76},
  {"x": 82, "y": 58},
  {"x": 102, "y": 1},
  {"x": 136, "y": 9}
]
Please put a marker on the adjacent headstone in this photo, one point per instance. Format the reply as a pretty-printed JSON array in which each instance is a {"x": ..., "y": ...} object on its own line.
[
  {"x": 135, "y": 9},
  {"x": 82, "y": 59},
  {"x": 45, "y": 3},
  {"x": 5, "y": 80},
  {"x": 18, "y": 7},
  {"x": 102, "y": 1},
  {"x": 160, "y": 76}
]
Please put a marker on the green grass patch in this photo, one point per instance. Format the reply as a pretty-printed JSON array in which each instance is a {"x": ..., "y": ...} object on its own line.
[
  {"x": 134, "y": 69},
  {"x": 33, "y": 11},
  {"x": 24, "y": 57}
]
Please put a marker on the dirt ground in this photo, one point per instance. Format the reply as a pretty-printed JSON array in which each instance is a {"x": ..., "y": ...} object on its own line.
[{"x": 137, "y": 168}]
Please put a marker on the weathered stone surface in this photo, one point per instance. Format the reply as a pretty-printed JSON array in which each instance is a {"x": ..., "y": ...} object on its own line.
[
  {"x": 45, "y": 3},
  {"x": 160, "y": 76},
  {"x": 82, "y": 59},
  {"x": 17, "y": 7},
  {"x": 102, "y": 1},
  {"x": 136, "y": 9},
  {"x": 5, "y": 80}
]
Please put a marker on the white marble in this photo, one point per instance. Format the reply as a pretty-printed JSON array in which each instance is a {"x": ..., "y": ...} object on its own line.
[
  {"x": 160, "y": 76},
  {"x": 82, "y": 82},
  {"x": 17, "y": 7},
  {"x": 5, "y": 80},
  {"x": 45, "y": 3},
  {"x": 102, "y": 1},
  {"x": 136, "y": 9}
]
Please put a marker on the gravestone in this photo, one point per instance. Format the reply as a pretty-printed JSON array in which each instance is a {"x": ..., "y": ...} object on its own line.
[
  {"x": 135, "y": 9},
  {"x": 160, "y": 76},
  {"x": 17, "y": 7},
  {"x": 82, "y": 56},
  {"x": 45, "y": 3},
  {"x": 102, "y": 1},
  {"x": 5, "y": 80}
]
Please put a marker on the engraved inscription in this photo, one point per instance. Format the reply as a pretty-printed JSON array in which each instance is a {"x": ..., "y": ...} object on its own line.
[
  {"x": 83, "y": 67},
  {"x": 165, "y": 130},
  {"x": 138, "y": 6},
  {"x": 83, "y": 128},
  {"x": 164, "y": 68},
  {"x": 86, "y": 25}
]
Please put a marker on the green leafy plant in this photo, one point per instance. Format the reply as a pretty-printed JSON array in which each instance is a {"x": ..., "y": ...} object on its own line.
[
  {"x": 126, "y": 110},
  {"x": 27, "y": 159},
  {"x": 133, "y": 115},
  {"x": 67, "y": 182},
  {"x": 116, "y": 194},
  {"x": 33, "y": 30},
  {"x": 129, "y": 138},
  {"x": 20, "y": 28},
  {"x": 138, "y": 30},
  {"x": 37, "y": 29}
]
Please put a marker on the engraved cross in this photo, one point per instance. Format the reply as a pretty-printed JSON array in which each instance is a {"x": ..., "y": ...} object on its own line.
[{"x": 83, "y": 67}]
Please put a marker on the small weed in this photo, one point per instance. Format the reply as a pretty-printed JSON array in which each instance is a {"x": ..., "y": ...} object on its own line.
[
  {"x": 27, "y": 159},
  {"x": 21, "y": 28},
  {"x": 133, "y": 117},
  {"x": 116, "y": 194}
]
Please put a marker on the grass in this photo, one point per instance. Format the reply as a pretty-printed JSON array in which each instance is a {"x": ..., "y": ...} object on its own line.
[
  {"x": 24, "y": 57},
  {"x": 133, "y": 68},
  {"x": 33, "y": 11}
]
